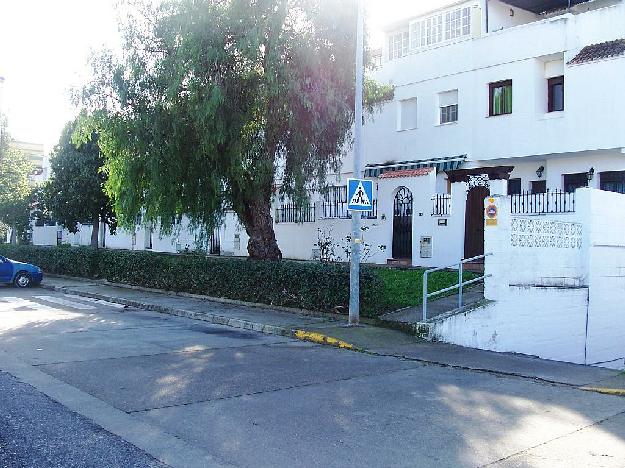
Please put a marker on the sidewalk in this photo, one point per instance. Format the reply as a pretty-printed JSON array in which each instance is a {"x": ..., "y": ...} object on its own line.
[{"x": 331, "y": 330}]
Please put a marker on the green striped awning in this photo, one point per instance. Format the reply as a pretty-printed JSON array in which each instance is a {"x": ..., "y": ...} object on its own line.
[{"x": 441, "y": 164}]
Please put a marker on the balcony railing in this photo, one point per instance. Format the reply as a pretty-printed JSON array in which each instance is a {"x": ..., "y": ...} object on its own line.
[
  {"x": 441, "y": 204},
  {"x": 338, "y": 210},
  {"x": 551, "y": 201},
  {"x": 292, "y": 213}
]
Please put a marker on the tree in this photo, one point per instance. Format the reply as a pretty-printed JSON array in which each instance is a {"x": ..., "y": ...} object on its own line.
[
  {"x": 75, "y": 191},
  {"x": 215, "y": 99},
  {"x": 15, "y": 168}
]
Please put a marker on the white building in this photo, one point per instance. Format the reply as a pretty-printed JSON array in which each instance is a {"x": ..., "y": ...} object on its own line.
[
  {"x": 504, "y": 97},
  {"x": 523, "y": 96}
]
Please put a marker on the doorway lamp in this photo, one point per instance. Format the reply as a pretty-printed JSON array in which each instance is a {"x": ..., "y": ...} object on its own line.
[
  {"x": 591, "y": 174},
  {"x": 539, "y": 171}
]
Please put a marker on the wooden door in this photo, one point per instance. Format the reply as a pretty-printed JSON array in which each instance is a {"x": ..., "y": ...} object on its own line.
[{"x": 474, "y": 222}]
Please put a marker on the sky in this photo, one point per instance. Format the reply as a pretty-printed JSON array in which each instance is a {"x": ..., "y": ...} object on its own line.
[{"x": 45, "y": 46}]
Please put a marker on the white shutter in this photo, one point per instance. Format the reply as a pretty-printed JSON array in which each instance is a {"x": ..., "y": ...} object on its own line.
[{"x": 448, "y": 98}]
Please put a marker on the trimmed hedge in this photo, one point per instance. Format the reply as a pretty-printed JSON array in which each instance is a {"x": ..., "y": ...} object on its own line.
[{"x": 307, "y": 285}]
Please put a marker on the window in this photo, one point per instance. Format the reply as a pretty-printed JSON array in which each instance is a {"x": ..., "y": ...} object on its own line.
[
  {"x": 407, "y": 114},
  {"x": 441, "y": 27},
  {"x": 538, "y": 186},
  {"x": 514, "y": 186},
  {"x": 613, "y": 181},
  {"x": 448, "y": 106},
  {"x": 555, "y": 93},
  {"x": 334, "y": 203},
  {"x": 449, "y": 114},
  {"x": 575, "y": 181},
  {"x": 500, "y": 98},
  {"x": 398, "y": 45}
]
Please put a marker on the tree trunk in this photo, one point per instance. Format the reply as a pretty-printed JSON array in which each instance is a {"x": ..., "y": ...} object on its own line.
[
  {"x": 259, "y": 227},
  {"x": 13, "y": 238},
  {"x": 95, "y": 232}
]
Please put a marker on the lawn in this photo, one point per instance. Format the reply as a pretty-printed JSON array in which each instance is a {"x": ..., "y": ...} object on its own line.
[{"x": 404, "y": 287}]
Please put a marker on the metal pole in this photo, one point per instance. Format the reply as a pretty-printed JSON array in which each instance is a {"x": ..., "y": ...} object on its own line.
[
  {"x": 424, "y": 316},
  {"x": 460, "y": 285},
  {"x": 354, "y": 270}
]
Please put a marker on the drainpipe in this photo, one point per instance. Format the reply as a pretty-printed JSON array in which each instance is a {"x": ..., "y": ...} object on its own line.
[{"x": 486, "y": 14}]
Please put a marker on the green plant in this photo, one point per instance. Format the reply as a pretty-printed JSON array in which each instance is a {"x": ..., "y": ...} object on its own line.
[
  {"x": 306, "y": 285},
  {"x": 404, "y": 287}
]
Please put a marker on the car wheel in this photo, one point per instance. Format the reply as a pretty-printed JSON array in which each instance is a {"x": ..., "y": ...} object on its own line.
[{"x": 22, "y": 280}]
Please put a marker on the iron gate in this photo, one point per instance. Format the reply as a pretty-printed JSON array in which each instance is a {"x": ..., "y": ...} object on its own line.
[{"x": 402, "y": 224}]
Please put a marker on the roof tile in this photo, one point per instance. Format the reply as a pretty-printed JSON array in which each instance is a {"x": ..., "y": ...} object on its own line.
[
  {"x": 407, "y": 173},
  {"x": 599, "y": 51}
]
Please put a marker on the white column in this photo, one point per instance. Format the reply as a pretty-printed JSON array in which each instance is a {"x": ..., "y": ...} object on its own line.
[{"x": 497, "y": 243}]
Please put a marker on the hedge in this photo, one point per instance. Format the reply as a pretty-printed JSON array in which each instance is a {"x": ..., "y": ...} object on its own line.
[{"x": 307, "y": 285}]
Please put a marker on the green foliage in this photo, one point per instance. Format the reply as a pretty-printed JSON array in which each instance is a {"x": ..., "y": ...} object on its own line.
[
  {"x": 15, "y": 190},
  {"x": 404, "y": 287},
  {"x": 307, "y": 285},
  {"x": 75, "y": 191},
  {"x": 213, "y": 100},
  {"x": 81, "y": 262}
]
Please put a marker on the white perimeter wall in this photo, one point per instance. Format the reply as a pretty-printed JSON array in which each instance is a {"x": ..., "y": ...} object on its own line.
[
  {"x": 606, "y": 276},
  {"x": 552, "y": 276}
]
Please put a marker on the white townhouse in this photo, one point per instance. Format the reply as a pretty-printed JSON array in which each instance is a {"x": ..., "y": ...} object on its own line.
[{"x": 521, "y": 97}]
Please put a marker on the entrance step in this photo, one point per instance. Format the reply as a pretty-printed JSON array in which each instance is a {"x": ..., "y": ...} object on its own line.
[
  {"x": 399, "y": 262},
  {"x": 475, "y": 267},
  {"x": 437, "y": 307}
]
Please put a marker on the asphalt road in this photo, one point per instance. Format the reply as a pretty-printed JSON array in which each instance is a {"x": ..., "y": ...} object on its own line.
[{"x": 87, "y": 383}]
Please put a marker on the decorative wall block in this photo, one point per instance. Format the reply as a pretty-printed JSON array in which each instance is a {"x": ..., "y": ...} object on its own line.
[{"x": 533, "y": 233}]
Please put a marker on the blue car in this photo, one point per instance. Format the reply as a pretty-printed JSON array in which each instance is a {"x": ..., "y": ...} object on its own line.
[{"x": 20, "y": 274}]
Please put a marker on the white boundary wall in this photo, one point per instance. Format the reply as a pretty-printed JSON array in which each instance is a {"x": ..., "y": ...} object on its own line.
[{"x": 557, "y": 286}]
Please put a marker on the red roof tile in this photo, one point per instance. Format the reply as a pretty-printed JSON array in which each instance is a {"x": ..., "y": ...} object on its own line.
[
  {"x": 407, "y": 173},
  {"x": 600, "y": 51}
]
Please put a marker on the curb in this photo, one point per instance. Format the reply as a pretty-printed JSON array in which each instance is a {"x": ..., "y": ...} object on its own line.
[
  {"x": 298, "y": 334},
  {"x": 320, "y": 338},
  {"x": 223, "y": 300},
  {"x": 605, "y": 390}
]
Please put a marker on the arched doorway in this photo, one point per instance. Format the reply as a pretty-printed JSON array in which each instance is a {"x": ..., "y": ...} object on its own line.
[
  {"x": 474, "y": 221},
  {"x": 402, "y": 224}
]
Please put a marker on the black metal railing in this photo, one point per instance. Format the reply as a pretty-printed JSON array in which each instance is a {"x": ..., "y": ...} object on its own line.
[
  {"x": 338, "y": 210},
  {"x": 551, "y": 201},
  {"x": 441, "y": 204},
  {"x": 334, "y": 210},
  {"x": 215, "y": 244},
  {"x": 292, "y": 213}
]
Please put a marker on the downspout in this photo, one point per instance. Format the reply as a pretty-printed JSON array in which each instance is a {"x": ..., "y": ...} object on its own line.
[
  {"x": 586, "y": 332},
  {"x": 486, "y": 15}
]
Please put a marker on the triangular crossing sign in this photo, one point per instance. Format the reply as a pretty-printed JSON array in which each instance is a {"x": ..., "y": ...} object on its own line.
[{"x": 360, "y": 197}]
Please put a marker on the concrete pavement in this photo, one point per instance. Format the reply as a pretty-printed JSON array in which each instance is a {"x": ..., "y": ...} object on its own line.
[
  {"x": 372, "y": 339},
  {"x": 191, "y": 393}
]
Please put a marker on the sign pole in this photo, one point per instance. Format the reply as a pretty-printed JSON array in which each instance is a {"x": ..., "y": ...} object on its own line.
[{"x": 354, "y": 270}]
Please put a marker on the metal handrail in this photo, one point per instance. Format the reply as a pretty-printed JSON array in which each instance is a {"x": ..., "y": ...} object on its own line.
[{"x": 458, "y": 286}]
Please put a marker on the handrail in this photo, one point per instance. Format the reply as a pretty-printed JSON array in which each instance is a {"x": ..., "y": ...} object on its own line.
[{"x": 458, "y": 286}]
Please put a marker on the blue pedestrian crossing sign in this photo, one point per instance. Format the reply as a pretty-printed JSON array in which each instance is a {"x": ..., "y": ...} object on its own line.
[{"x": 359, "y": 194}]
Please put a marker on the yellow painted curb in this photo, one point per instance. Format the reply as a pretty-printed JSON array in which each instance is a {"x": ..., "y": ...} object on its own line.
[
  {"x": 606, "y": 391},
  {"x": 321, "y": 339}
]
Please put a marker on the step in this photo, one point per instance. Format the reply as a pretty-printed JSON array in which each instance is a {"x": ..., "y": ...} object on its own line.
[{"x": 436, "y": 307}]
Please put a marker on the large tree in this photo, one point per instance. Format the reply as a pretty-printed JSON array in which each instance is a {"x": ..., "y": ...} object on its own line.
[
  {"x": 74, "y": 194},
  {"x": 213, "y": 100},
  {"x": 15, "y": 190}
]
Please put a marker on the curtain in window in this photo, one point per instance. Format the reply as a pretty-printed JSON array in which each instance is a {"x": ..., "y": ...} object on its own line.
[
  {"x": 507, "y": 99},
  {"x": 497, "y": 101}
]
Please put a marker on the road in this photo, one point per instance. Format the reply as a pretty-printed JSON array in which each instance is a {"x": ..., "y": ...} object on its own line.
[{"x": 89, "y": 383}]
